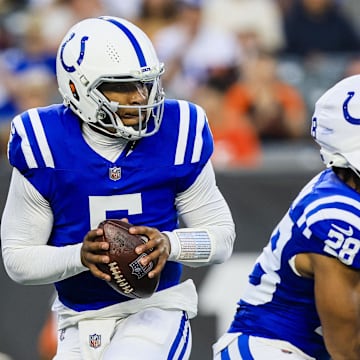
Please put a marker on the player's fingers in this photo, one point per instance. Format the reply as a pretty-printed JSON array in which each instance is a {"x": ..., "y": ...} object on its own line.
[
  {"x": 159, "y": 255},
  {"x": 90, "y": 260},
  {"x": 96, "y": 259},
  {"x": 149, "y": 245},
  {"x": 96, "y": 247},
  {"x": 158, "y": 268},
  {"x": 98, "y": 273},
  {"x": 149, "y": 232},
  {"x": 156, "y": 240},
  {"x": 93, "y": 235},
  {"x": 154, "y": 255},
  {"x": 94, "y": 253}
]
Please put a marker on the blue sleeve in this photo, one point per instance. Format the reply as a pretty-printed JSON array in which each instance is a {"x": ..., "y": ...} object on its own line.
[
  {"x": 29, "y": 151},
  {"x": 331, "y": 229},
  {"x": 339, "y": 239}
]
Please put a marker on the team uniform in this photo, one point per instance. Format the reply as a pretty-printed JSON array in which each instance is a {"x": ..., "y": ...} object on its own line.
[
  {"x": 277, "y": 313},
  {"x": 48, "y": 149},
  {"x": 44, "y": 147}
]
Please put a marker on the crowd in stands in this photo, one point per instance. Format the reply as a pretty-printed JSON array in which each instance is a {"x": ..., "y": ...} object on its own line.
[{"x": 256, "y": 66}]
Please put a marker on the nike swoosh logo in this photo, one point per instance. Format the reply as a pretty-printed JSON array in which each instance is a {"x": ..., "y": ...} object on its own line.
[{"x": 347, "y": 232}]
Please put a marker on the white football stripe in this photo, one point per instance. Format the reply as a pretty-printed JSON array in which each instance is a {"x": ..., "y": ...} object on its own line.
[
  {"x": 198, "y": 137},
  {"x": 234, "y": 352},
  {"x": 340, "y": 214},
  {"x": 41, "y": 138},
  {"x": 183, "y": 132},
  {"x": 334, "y": 213},
  {"x": 182, "y": 341},
  {"x": 327, "y": 200},
  {"x": 25, "y": 145}
]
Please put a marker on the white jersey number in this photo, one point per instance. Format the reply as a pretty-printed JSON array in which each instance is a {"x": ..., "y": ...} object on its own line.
[
  {"x": 344, "y": 248},
  {"x": 99, "y": 205}
]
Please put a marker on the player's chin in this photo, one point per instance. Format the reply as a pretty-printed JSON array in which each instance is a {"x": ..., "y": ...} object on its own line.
[{"x": 134, "y": 123}]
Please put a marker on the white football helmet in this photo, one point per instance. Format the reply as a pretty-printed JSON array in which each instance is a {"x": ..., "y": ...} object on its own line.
[
  {"x": 109, "y": 50},
  {"x": 336, "y": 124}
]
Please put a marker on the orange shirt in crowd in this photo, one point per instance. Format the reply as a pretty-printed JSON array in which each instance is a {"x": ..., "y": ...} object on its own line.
[{"x": 277, "y": 112}]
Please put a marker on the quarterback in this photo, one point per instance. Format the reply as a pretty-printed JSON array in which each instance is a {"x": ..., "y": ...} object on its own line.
[{"x": 115, "y": 148}]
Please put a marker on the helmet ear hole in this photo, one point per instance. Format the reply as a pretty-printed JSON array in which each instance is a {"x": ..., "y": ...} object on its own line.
[{"x": 101, "y": 115}]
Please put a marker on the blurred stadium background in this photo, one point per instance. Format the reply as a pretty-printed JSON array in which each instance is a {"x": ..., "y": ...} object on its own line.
[{"x": 258, "y": 195}]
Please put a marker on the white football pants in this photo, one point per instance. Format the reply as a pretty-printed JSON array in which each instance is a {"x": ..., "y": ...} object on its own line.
[
  {"x": 151, "y": 334},
  {"x": 237, "y": 346}
]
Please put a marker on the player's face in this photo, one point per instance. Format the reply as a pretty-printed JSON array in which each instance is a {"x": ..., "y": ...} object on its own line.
[{"x": 131, "y": 94}]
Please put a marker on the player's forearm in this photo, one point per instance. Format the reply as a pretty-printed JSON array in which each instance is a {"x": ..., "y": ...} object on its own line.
[
  {"x": 197, "y": 247},
  {"x": 210, "y": 232},
  {"x": 43, "y": 264},
  {"x": 25, "y": 229}
]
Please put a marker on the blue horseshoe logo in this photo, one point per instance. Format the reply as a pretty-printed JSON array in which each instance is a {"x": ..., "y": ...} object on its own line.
[
  {"x": 80, "y": 59},
  {"x": 347, "y": 116}
]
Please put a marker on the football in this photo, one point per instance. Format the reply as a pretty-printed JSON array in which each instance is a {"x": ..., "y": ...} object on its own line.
[{"x": 128, "y": 276}]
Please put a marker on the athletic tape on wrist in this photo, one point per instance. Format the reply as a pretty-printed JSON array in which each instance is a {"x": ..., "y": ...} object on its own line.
[{"x": 194, "y": 245}]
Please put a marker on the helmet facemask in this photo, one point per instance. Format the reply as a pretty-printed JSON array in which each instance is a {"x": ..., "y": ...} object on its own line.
[{"x": 149, "y": 114}]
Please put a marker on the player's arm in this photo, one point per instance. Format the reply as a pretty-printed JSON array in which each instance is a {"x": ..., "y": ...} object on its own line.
[
  {"x": 337, "y": 295},
  {"x": 25, "y": 229},
  {"x": 210, "y": 230},
  {"x": 209, "y": 235}
]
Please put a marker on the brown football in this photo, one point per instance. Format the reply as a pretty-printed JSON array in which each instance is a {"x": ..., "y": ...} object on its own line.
[{"x": 128, "y": 276}]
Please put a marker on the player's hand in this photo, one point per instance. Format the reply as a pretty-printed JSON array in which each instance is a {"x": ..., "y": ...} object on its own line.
[
  {"x": 93, "y": 251},
  {"x": 158, "y": 242}
]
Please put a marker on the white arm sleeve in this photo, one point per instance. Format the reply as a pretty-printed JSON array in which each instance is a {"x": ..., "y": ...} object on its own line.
[
  {"x": 25, "y": 229},
  {"x": 207, "y": 217}
]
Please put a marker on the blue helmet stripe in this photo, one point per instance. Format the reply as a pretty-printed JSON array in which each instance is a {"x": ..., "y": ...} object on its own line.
[{"x": 131, "y": 37}]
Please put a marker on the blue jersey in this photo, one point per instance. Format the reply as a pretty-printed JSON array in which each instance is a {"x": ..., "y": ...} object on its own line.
[
  {"x": 83, "y": 188},
  {"x": 277, "y": 303}
]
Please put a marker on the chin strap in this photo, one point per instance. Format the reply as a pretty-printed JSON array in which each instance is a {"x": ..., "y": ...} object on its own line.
[
  {"x": 102, "y": 131},
  {"x": 355, "y": 171},
  {"x": 331, "y": 159},
  {"x": 337, "y": 160}
]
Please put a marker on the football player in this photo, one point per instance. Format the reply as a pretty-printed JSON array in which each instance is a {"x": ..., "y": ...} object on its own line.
[
  {"x": 115, "y": 148},
  {"x": 302, "y": 300}
]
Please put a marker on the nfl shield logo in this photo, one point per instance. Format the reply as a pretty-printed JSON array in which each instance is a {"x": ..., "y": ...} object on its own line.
[
  {"x": 94, "y": 341},
  {"x": 138, "y": 269},
  {"x": 115, "y": 173}
]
